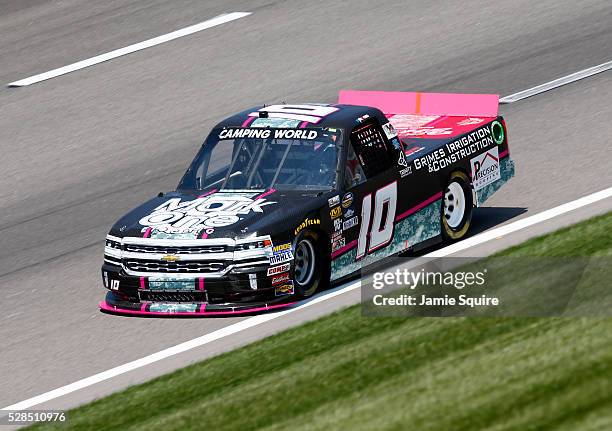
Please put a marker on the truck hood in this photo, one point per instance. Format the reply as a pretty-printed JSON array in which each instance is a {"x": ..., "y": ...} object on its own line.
[{"x": 226, "y": 214}]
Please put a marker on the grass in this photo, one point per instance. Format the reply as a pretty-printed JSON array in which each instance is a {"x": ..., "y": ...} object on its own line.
[{"x": 346, "y": 371}]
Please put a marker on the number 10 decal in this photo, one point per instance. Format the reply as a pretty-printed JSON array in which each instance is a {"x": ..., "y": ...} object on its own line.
[{"x": 380, "y": 232}]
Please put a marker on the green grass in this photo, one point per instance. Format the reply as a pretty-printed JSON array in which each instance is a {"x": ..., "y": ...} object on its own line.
[{"x": 346, "y": 371}]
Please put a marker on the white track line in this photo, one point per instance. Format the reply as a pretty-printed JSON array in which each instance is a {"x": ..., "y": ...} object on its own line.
[
  {"x": 556, "y": 83},
  {"x": 218, "y": 20},
  {"x": 263, "y": 318}
]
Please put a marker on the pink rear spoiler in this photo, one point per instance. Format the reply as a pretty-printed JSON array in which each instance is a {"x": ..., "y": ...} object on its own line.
[{"x": 389, "y": 102}]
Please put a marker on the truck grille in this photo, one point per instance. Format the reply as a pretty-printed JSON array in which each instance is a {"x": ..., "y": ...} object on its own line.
[
  {"x": 199, "y": 249},
  {"x": 197, "y": 266}
]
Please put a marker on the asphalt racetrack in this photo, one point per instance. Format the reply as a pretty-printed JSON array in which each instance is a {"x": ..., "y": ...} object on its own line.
[{"x": 79, "y": 150}]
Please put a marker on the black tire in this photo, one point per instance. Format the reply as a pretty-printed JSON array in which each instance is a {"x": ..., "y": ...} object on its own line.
[
  {"x": 457, "y": 207},
  {"x": 308, "y": 280}
]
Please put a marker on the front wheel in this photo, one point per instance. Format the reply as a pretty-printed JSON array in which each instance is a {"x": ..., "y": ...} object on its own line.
[
  {"x": 309, "y": 265},
  {"x": 457, "y": 207}
]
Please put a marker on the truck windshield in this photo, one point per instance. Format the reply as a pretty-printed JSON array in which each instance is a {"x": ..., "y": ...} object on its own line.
[{"x": 256, "y": 158}]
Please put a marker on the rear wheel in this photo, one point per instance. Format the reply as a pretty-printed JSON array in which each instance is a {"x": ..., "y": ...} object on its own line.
[
  {"x": 309, "y": 270},
  {"x": 457, "y": 207}
]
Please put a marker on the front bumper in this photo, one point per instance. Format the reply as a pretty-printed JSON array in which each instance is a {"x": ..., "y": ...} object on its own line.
[
  {"x": 242, "y": 284},
  {"x": 189, "y": 297},
  {"x": 112, "y": 304}
]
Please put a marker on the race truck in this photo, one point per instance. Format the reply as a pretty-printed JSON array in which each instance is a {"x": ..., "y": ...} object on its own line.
[{"x": 282, "y": 200}]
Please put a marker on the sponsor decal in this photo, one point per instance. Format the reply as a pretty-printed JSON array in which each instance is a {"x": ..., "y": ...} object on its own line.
[
  {"x": 105, "y": 278},
  {"x": 427, "y": 131},
  {"x": 350, "y": 223},
  {"x": 406, "y": 171},
  {"x": 280, "y": 257},
  {"x": 485, "y": 168},
  {"x": 362, "y": 118},
  {"x": 244, "y": 133},
  {"x": 284, "y": 289},
  {"x": 409, "y": 125},
  {"x": 296, "y": 134},
  {"x": 410, "y": 121},
  {"x": 281, "y": 247},
  {"x": 275, "y": 122},
  {"x": 456, "y": 150},
  {"x": 338, "y": 225},
  {"x": 335, "y": 236},
  {"x": 282, "y": 278},
  {"x": 338, "y": 244},
  {"x": 335, "y": 212},
  {"x": 402, "y": 160},
  {"x": 389, "y": 131},
  {"x": 347, "y": 200},
  {"x": 307, "y": 222},
  {"x": 349, "y": 213},
  {"x": 333, "y": 201},
  {"x": 396, "y": 144},
  {"x": 192, "y": 216},
  {"x": 469, "y": 121},
  {"x": 278, "y": 269},
  {"x": 172, "y": 308},
  {"x": 260, "y": 133}
]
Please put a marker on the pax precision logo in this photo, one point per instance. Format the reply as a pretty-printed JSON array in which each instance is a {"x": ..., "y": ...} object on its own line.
[
  {"x": 335, "y": 212},
  {"x": 485, "y": 168}
]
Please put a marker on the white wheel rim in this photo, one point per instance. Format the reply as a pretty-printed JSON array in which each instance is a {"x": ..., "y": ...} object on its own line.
[
  {"x": 304, "y": 262},
  {"x": 454, "y": 205}
]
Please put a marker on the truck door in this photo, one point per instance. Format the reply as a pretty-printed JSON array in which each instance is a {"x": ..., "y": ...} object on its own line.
[{"x": 371, "y": 189}]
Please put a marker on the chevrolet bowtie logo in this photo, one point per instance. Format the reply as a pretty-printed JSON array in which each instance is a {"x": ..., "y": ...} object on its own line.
[{"x": 170, "y": 258}]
